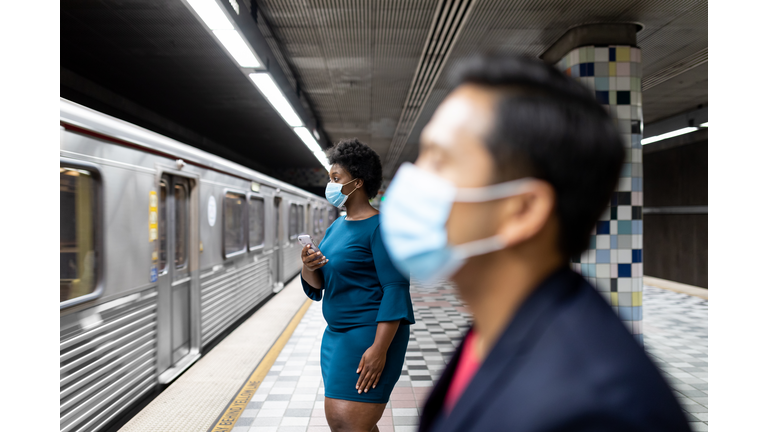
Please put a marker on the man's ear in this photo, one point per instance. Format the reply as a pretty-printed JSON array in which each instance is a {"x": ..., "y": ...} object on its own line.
[{"x": 523, "y": 217}]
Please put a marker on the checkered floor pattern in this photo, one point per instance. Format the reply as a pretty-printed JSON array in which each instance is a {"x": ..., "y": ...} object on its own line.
[
  {"x": 675, "y": 332},
  {"x": 291, "y": 397}
]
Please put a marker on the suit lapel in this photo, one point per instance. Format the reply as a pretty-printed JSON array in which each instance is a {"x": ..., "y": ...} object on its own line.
[{"x": 501, "y": 364}]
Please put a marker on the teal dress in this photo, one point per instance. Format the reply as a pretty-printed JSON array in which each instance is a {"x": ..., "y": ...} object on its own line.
[{"x": 362, "y": 287}]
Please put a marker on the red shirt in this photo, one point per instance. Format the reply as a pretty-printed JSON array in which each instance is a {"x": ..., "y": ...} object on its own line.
[{"x": 465, "y": 371}]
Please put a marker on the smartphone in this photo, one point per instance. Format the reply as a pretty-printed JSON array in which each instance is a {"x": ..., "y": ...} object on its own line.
[{"x": 307, "y": 240}]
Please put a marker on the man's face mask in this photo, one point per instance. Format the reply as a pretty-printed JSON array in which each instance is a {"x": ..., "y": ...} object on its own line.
[{"x": 413, "y": 218}]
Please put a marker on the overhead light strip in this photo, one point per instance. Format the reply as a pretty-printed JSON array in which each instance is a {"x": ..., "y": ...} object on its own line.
[
  {"x": 305, "y": 136},
  {"x": 323, "y": 160},
  {"x": 269, "y": 89},
  {"x": 267, "y": 86},
  {"x": 211, "y": 14},
  {"x": 668, "y": 135},
  {"x": 218, "y": 21},
  {"x": 235, "y": 44}
]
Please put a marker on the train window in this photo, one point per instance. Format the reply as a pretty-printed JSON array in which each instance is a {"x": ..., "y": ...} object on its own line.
[
  {"x": 181, "y": 217},
  {"x": 320, "y": 225},
  {"x": 234, "y": 223},
  {"x": 293, "y": 221},
  {"x": 162, "y": 219},
  {"x": 256, "y": 222},
  {"x": 78, "y": 235},
  {"x": 302, "y": 221},
  {"x": 331, "y": 216}
]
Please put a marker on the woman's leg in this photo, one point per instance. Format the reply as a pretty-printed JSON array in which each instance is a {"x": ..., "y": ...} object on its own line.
[{"x": 349, "y": 416}]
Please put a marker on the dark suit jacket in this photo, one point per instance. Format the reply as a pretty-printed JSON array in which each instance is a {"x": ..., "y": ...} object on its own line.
[{"x": 565, "y": 363}]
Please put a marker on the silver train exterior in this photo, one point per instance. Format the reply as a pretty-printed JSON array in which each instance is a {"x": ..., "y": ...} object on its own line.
[{"x": 163, "y": 247}]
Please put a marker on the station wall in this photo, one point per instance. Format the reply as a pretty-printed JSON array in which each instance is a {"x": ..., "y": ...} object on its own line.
[{"x": 675, "y": 244}]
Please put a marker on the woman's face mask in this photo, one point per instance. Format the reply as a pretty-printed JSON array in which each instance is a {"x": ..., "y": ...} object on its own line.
[
  {"x": 333, "y": 193},
  {"x": 413, "y": 217}
]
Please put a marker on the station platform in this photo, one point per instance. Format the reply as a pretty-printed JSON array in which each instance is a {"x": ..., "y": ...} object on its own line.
[{"x": 281, "y": 390}]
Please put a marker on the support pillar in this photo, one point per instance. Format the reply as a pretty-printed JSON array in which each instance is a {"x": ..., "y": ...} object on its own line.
[{"x": 614, "y": 261}]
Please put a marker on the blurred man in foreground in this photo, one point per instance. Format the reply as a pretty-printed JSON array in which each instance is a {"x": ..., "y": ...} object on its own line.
[{"x": 514, "y": 169}]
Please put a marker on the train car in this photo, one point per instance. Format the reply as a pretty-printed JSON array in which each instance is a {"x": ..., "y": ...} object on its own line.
[{"x": 163, "y": 248}]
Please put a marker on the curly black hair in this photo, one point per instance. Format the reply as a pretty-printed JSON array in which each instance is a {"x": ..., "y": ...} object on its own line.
[{"x": 360, "y": 160}]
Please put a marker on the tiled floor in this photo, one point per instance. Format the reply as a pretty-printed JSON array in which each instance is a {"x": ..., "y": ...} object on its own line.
[
  {"x": 675, "y": 328},
  {"x": 291, "y": 397}
]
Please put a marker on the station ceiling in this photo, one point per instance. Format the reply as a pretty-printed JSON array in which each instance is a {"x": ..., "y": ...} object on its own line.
[{"x": 375, "y": 70}]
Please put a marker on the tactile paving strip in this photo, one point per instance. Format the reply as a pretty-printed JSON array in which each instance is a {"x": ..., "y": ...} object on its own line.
[{"x": 291, "y": 397}]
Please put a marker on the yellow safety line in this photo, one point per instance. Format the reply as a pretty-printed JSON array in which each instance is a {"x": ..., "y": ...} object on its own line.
[{"x": 227, "y": 421}]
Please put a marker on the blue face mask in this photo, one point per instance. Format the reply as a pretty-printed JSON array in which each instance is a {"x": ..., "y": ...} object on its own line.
[
  {"x": 413, "y": 217},
  {"x": 333, "y": 193}
]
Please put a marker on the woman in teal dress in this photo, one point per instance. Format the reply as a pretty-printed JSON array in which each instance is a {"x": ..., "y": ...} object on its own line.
[{"x": 366, "y": 301}]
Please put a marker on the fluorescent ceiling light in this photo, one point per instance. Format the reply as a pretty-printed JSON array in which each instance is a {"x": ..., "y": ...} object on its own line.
[
  {"x": 237, "y": 47},
  {"x": 705, "y": 124},
  {"x": 269, "y": 89},
  {"x": 216, "y": 19},
  {"x": 320, "y": 155},
  {"x": 305, "y": 136},
  {"x": 211, "y": 14},
  {"x": 675, "y": 133},
  {"x": 323, "y": 160}
]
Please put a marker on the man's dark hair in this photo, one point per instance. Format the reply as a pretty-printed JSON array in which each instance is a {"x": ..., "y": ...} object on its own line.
[
  {"x": 550, "y": 127},
  {"x": 360, "y": 160}
]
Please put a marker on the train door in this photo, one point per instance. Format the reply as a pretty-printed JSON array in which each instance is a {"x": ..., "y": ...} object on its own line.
[
  {"x": 277, "y": 247},
  {"x": 175, "y": 345}
]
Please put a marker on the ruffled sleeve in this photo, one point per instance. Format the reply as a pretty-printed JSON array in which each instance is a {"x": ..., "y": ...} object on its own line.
[
  {"x": 313, "y": 293},
  {"x": 396, "y": 302}
]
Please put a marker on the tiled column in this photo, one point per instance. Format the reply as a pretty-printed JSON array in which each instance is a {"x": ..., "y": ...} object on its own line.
[{"x": 614, "y": 260}]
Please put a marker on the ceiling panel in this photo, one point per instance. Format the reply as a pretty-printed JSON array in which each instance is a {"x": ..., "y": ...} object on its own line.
[
  {"x": 681, "y": 93},
  {"x": 356, "y": 59}
]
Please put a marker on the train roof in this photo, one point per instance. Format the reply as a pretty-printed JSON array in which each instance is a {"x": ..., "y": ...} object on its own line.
[{"x": 86, "y": 118}]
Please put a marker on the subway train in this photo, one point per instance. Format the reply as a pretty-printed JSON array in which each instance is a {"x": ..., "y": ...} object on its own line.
[{"x": 163, "y": 248}]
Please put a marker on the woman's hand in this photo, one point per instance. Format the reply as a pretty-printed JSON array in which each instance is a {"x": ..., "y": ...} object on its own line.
[
  {"x": 370, "y": 368},
  {"x": 312, "y": 261}
]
